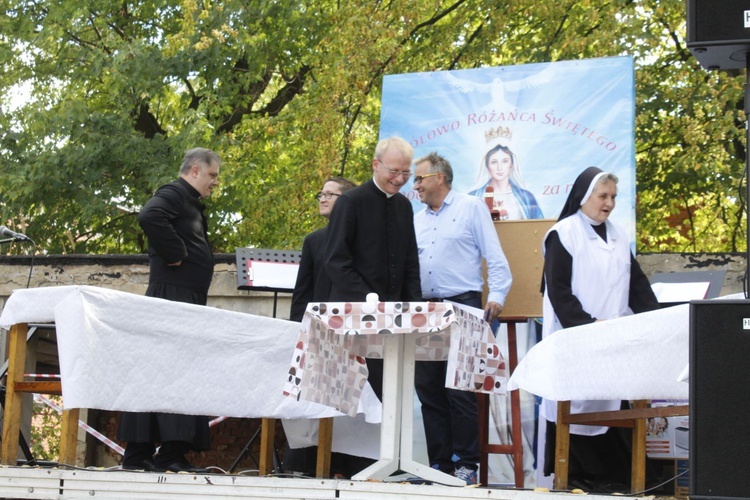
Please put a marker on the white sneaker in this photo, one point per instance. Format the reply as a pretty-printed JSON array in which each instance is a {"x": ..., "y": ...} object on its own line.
[{"x": 467, "y": 475}]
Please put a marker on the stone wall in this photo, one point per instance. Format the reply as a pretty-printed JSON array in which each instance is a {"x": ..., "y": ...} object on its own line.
[
  {"x": 130, "y": 273},
  {"x": 733, "y": 264}
]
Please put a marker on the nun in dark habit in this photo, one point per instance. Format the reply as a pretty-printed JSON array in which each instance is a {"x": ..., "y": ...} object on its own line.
[{"x": 591, "y": 275}]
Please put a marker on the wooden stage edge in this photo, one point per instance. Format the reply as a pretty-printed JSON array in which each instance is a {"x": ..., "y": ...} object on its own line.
[{"x": 56, "y": 483}]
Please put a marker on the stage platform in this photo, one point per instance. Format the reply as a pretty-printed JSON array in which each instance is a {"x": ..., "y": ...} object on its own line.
[{"x": 54, "y": 483}]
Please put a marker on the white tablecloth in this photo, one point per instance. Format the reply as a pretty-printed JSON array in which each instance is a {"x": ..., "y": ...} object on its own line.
[
  {"x": 642, "y": 356},
  {"x": 121, "y": 351}
]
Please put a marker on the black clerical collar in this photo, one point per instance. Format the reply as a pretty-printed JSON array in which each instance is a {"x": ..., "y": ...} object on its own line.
[{"x": 190, "y": 189}]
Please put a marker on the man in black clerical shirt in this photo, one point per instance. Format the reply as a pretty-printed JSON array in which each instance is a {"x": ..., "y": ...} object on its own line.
[{"x": 313, "y": 284}]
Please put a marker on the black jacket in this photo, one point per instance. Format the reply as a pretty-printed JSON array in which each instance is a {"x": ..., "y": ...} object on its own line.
[
  {"x": 176, "y": 228},
  {"x": 371, "y": 247},
  {"x": 313, "y": 284}
]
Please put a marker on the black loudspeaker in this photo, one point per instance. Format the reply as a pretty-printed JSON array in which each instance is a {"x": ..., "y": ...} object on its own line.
[
  {"x": 718, "y": 32},
  {"x": 719, "y": 399}
]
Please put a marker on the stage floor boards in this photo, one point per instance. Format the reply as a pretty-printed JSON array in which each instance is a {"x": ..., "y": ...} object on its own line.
[{"x": 54, "y": 483}]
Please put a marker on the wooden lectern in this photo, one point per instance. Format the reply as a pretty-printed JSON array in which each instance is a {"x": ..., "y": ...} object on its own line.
[{"x": 522, "y": 244}]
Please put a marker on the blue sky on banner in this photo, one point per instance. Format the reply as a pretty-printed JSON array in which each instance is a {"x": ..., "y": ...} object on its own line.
[{"x": 557, "y": 118}]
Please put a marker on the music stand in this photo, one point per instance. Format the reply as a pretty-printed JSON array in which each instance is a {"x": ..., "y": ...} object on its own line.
[
  {"x": 265, "y": 270},
  {"x": 712, "y": 280}
]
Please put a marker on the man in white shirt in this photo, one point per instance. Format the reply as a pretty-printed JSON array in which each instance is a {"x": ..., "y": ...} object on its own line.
[{"x": 454, "y": 233}]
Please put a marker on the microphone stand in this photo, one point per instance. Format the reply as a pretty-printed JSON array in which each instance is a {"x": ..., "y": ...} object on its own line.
[{"x": 33, "y": 255}]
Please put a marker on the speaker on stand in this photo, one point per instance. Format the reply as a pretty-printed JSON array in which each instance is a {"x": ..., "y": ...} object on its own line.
[
  {"x": 719, "y": 436},
  {"x": 718, "y": 32},
  {"x": 718, "y": 35}
]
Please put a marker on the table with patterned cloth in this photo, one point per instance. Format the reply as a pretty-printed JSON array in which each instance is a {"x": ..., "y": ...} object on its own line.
[{"x": 328, "y": 365}]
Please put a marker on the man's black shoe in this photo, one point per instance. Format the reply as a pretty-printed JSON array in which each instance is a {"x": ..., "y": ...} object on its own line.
[
  {"x": 145, "y": 465},
  {"x": 181, "y": 466}
]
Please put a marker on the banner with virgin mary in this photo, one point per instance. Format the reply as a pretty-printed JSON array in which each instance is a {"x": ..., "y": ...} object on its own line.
[{"x": 521, "y": 134}]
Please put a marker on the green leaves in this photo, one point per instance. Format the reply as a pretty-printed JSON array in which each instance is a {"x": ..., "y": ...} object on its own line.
[{"x": 289, "y": 94}]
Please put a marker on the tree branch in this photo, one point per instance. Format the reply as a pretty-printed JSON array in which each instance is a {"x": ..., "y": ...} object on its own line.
[
  {"x": 469, "y": 41},
  {"x": 287, "y": 93},
  {"x": 145, "y": 122},
  {"x": 284, "y": 96}
]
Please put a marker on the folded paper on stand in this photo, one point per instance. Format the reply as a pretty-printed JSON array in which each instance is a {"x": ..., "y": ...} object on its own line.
[
  {"x": 680, "y": 292},
  {"x": 272, "y": 274}
]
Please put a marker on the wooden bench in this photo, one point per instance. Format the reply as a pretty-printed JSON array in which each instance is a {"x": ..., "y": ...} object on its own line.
[{"x": 634, "y": 418}]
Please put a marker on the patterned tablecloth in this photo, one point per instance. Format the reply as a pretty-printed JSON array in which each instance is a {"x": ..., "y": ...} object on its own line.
[{"x": 328, "y": 365}]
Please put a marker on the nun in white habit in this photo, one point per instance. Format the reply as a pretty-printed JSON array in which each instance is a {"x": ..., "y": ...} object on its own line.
[{"x": 591, "y": 275}]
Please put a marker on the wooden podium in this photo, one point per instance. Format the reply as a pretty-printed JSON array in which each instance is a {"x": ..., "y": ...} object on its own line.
[{"x": 522, "y": 244}]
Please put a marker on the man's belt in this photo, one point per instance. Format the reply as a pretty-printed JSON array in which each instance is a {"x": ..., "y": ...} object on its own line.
[{"x": 458, "y": 298}]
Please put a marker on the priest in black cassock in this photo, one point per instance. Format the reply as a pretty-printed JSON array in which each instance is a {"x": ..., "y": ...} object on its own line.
[
  {"x": 181, "y": 268},
  {"x": 371, "y": 245}
]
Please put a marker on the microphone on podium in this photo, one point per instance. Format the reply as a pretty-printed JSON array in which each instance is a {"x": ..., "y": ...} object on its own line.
[
  {"x": 489, "y": 199},
  {"x": 12, "y": 234}
]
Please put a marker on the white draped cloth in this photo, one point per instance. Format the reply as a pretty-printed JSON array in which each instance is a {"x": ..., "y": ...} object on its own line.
[
  {"x": 121, "y": 351},
  {"x": 642, "y": 356}
]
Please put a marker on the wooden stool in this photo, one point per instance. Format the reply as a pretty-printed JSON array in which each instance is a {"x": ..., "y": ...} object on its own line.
[
  {"x": 515, "y": 448},
  {"x": 13, "y": 403},
  {"x": 325, "y": 438}
]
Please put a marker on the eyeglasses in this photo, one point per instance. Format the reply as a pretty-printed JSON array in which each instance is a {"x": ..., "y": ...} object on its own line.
[
  {"x": 418, "y": 179},
  {"x": 394, "y": 173},
  {"x": 327, "y": 196}
]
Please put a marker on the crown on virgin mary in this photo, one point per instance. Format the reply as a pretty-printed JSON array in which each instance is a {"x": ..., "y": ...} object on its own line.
[{"x": 498, "y": 133}]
